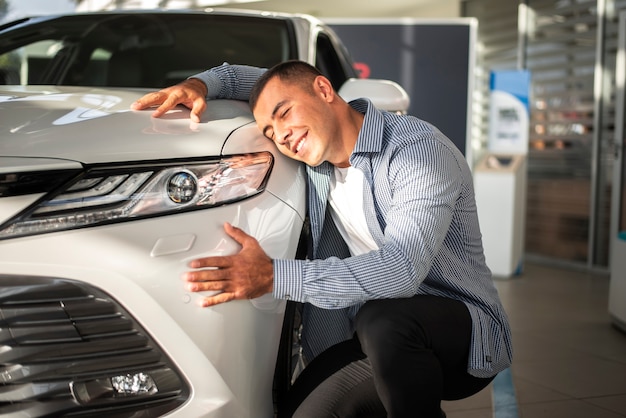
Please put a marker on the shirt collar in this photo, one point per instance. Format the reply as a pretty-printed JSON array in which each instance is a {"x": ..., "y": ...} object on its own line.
[{"x": 370, "y": 137}]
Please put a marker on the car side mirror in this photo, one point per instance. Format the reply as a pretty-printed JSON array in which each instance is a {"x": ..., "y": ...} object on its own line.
[{"x": 384, "y": 94}]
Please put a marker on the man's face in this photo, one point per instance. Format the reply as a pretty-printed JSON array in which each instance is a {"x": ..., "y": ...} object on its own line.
[{"x": 297, "y": 120}]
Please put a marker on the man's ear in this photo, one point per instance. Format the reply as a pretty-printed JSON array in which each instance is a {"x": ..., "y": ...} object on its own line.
[{"x": 324, "y": 88}]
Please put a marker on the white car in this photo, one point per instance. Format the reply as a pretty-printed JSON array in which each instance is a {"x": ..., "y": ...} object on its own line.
[{"x": 101, "y": 209}]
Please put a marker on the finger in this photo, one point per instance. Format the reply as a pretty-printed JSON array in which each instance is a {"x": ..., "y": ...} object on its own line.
[
  {"x": 211, "y": 286},
  {"x": 159, "y": 111},
  {"x": 236, "y": 233},
  {"x": 208, "y": 262},
  {"x": 211, "y": 275},
  {"x": 217, "y": 299},
  {"x": 198, "y": 107},
  {"x": 149, "y": 100},
  {"x": 168, "y": 104}
]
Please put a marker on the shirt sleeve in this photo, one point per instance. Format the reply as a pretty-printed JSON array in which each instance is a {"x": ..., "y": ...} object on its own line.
[
  {"x": 425, "y": 182},
  {"x": 230, "y": 81}
]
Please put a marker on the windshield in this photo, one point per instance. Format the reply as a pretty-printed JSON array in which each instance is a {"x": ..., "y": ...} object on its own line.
[{"x": 151, "y": 50}]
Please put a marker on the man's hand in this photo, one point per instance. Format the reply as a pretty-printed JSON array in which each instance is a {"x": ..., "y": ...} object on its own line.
[
  {"x": 246, "y": 275},
  {"x": 191, "y": 93}
]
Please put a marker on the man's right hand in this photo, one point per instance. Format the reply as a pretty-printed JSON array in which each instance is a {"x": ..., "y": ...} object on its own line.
[{"x": 191, "y": 93}]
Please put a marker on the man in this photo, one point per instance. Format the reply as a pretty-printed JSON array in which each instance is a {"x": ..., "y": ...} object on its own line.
[{"x": 395, "y": 237}]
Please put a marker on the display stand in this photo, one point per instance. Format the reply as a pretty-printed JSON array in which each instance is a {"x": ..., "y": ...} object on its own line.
[
  {"x": 500, "y": 184},
  {"x": 500, "y": 176}
]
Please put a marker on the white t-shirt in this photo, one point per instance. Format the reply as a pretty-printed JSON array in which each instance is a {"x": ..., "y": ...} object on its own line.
[{"x": 346, "y": 203}]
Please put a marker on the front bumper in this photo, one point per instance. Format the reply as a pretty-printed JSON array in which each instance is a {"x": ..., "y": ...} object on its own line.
[{"x": 224, "y": 356}]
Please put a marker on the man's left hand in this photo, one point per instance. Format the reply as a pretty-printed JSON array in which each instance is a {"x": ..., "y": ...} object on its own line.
[{"x": 246, "y": 275}]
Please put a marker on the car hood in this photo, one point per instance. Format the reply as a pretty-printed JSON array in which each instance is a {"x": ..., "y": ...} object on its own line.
[{"x": 96, "y": 125}]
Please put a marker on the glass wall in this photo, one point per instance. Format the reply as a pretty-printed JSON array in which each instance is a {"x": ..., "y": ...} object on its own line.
[{"x": 571, "y": 149}]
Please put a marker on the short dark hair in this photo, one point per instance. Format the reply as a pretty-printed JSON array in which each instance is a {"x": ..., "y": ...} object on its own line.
[{"x": 292, "y": 71}]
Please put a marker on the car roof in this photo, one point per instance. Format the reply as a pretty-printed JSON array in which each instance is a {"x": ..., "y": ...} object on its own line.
[{"x": 118, "y": 12}]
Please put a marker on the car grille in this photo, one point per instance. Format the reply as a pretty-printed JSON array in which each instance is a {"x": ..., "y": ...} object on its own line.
[{"x": 63, "y": 344}]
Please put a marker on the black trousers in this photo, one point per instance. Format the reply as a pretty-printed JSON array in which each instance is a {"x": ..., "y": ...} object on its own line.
[{"x": 407, "y": 356}]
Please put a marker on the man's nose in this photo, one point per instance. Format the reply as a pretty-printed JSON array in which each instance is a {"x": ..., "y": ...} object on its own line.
[{"x": 282, "y": 136}]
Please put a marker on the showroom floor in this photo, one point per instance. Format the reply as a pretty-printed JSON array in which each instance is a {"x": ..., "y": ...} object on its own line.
[{"x": 569, "y": 362}]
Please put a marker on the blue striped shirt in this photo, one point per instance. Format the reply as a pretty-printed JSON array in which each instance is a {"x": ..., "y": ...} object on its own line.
[{"x": 421, "y": 211}]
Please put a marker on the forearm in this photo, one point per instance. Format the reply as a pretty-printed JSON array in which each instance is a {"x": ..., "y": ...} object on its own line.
[
  {"x": 337, "y": 283},
  {"x": 229, "y": 81}
]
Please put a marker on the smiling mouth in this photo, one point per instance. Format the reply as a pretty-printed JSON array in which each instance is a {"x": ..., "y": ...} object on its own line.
[{"x": 299, "y": 145}]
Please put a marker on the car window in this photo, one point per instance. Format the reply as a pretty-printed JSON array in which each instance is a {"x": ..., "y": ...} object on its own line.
[
  {"x": 138, "y": 50},
  {"x": 330, "y": 62}
]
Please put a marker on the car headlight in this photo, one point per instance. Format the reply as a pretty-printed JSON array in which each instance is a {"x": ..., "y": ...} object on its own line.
[{"x": 106, "y": 195}]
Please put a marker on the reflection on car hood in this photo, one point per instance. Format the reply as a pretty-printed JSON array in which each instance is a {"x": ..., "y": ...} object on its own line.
[{"x": 95, "y": 125}]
